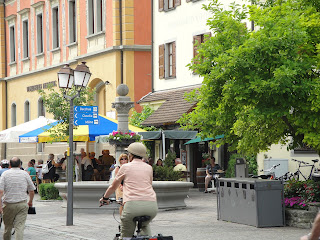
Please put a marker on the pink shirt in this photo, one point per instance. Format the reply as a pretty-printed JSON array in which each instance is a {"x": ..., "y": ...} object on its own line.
[{"x": 137, "y": 177}]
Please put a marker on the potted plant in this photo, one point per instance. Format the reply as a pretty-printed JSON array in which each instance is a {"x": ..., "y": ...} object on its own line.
[
  {"x": 301, "y": 200},
  {"x": 122, "y": 139}
]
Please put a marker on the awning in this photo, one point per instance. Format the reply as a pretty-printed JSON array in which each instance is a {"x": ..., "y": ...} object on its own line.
[
  {"x": 198, "y": 139},
  {"x": 171, "y": 134}
]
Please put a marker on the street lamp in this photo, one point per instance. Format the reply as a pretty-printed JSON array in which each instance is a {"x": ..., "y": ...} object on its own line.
[{"x": 67, "y": 78}]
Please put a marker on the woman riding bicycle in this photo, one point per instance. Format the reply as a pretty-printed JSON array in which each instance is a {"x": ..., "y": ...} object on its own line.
[{"x": 139, "y": 197}]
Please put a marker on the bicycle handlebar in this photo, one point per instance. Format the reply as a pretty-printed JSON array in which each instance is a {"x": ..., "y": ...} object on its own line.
[
  {"x": 273, "y": 167},
  {"x": 299, "y": 161}
]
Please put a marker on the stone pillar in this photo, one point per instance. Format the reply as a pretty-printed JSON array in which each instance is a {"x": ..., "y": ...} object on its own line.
[{"x": 122, "y": 104}]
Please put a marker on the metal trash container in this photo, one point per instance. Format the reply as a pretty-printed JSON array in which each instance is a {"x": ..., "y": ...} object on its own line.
[
  {"x": 241, "y": 168},
  {"x": 255, "y": 202}
]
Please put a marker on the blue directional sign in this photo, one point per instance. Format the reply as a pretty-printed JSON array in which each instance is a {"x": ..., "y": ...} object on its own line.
[
  {"x": 86, "y": 122},
  {"x": 86, "y": 109},
  {"x": 86, "y": 115}
]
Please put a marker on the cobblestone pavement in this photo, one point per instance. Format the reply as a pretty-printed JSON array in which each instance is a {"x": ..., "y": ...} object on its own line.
[{"x": 196, "y": 222}]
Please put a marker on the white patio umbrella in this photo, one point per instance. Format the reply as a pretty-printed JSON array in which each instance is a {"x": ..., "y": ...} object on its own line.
[{"x": 11, "y": 135}]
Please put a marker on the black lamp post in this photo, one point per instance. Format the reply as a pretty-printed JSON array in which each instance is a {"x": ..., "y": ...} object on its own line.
[{"x": 67, "y": 78}]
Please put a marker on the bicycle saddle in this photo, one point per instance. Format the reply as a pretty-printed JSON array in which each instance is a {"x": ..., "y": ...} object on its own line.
[
  {"x": 141, "y": 219},
  {"x": 315, "y": 160}
]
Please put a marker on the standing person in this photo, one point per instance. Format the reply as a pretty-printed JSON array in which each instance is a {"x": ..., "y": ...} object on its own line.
[
  {"x": 107, "y": 161},
  {"x": 315, "y": 232},
  {"x": 4, "y": 166},
  {"x": 139, "y": 197},
  {"x": 123, "y": 159},
  {"x": 51, "y": 175},
  {"x": 14, "y": 185},
  {"x": 211, "y": 169}
]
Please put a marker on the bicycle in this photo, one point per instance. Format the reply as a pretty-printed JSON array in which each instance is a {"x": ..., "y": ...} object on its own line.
[
  {"x": 270, "y": 173},
  {"x": 138, "y": 220},
  {"x": 296, "y": 174}
]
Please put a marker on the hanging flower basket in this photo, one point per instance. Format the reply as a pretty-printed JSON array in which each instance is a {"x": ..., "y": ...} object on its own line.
[
  {"x": 122, "y": 139},
  {"x": 121, "y": 143}
]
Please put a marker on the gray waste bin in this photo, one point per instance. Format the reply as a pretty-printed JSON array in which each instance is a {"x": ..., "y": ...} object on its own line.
[
  {"x": 255, "y": 202},
  {"x": 241, "y": 168}
]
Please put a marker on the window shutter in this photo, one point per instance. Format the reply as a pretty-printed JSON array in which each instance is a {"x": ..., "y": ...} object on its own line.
[
  {"x": 161, "y": 61},
  {"x": 174, "y": 59},
  {"x": 196, "y": 42},
  {"x": 177, "y": 3},
  {"x": 161, "y": 3}
]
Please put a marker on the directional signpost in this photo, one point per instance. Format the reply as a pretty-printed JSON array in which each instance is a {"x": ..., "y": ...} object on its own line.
[{"x": 86, "y": 115}]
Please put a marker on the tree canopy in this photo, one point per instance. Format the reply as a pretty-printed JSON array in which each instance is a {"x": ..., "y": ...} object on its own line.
[
  {"x": 56, "y": 104},
  {"x": 260, "y": 87}
]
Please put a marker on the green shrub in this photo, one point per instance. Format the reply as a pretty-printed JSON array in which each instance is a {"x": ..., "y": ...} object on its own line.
[
  {"x": 48, "y": 191},
  {"x": 165, "y": 173},
  {"x": 251, "y": 162}
]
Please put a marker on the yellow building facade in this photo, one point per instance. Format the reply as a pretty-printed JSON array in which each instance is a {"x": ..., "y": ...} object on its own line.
[{"x": 39, "y": 37}]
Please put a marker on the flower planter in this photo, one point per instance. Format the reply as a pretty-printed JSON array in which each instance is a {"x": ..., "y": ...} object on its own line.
[
  {"x": 300, "y": 218},
  {"x": 170, "y": 194},
  {"x": 125, "y": 142}
]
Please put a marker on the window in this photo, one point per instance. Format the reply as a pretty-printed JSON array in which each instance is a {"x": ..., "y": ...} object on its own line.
[
  {"x": 25, "y": 29},
  {"x": 39, "y": 33},
  {"x": 12, "y": 44},
  {"x": 40, "y": 147},
  {"x": 13, "y": 115},
  {"x": 198, "y": 39},
  {"x": 72, "y": 22},
  {"x": 95, "y": 16},
  {"x": 41, "y": 109},
  {"x": 166, "y": 5},
  {"x": 167, "y": 60},
  {"x": 55, "y": 27},
  {"x": 26, "y": 111}
]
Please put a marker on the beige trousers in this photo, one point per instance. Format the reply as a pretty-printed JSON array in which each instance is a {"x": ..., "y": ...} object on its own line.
[
  {"x": 14, "y": 215},
  {"x": 133, "y": 209}
]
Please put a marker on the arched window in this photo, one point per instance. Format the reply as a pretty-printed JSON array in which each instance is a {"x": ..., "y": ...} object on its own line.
[
  {"x": 13, "y": 115},
  {"x": 26, "y": 111},
  {"x": 41, "y": 110}
]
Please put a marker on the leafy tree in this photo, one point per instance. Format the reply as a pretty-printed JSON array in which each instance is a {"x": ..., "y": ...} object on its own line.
[
  {"x": 57, "y": 105},
  {"x": 137, "y": 118},
  {"x": 260, "y": 87}
]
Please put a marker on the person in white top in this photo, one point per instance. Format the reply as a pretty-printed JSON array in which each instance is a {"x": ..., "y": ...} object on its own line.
[
  {"x": 14, "y": 185},
  {"x": 87, "y": 167}
]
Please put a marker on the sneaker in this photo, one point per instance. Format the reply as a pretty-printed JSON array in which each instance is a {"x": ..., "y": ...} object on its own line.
[{"x": 205, "y": 191}]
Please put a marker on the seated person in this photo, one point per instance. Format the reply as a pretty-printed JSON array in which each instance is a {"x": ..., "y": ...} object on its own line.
[
  {"x": 98, "y": 170},
  {"x": 211, "y": 169},
  {"x": 179, "y": 166},
  {"x": 31, "y": 170},
  {"x": 86, "y": 163},
  {"x": 39, "y": 170}
]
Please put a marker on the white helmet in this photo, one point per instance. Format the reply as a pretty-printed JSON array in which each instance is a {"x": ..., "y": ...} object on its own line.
[{"x": 4, "y": 162}]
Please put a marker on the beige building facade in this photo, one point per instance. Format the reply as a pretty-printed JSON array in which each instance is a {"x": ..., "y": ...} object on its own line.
[{"x": 39, "y": 37}]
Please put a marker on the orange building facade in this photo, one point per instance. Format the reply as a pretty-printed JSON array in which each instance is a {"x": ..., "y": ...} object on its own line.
[{"x": 38, "y": 37}]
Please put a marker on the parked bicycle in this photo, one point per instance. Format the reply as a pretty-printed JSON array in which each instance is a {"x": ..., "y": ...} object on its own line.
[
  {"x": 139, "y": 221},
  {"x": 269, "y": 173},
  {"x": 296, "y": 174}
]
